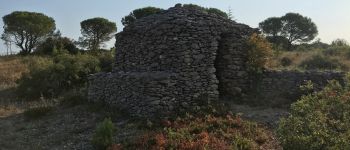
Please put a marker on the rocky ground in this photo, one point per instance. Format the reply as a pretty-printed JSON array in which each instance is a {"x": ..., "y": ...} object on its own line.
[{"x": 72, "y": 128}]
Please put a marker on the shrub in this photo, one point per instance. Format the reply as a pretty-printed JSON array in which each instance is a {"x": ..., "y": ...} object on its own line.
[
  {"x": 318, "y": 62},
  {"x": 37, "y": 112},
  {"x": 340, "y": 42},
  {"x": 106, "y": 58},
  {"x": 318, "y": 120},
  {"x": 103, "y": 137},
  {"x": 259, "y": 53},
  {"x": 209, "y": 132},
  {"x": 285, "y": 61},
  {"x": 53, "y": 45},
  {"x": 331, "y": 52},
  {"x": 51, "y": 77}
]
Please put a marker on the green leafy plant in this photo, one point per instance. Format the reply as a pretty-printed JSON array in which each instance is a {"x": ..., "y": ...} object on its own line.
[
  {"x": 50, "y": 77},
  {"x": 103, "y": 137},
  {"x": 319, "y": 120}
]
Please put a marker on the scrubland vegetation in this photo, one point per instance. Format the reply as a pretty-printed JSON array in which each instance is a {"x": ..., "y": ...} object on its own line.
[
  {"x": 54, "y": 77},
  {"x": 315, "y": 56}
]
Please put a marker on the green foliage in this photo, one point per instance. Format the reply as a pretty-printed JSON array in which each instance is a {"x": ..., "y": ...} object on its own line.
[
  {"x": 340, "y": 42},
  {"x": 103, "y": 136},
  {"x": 95, "y": 31},
  {"x": 139, "y": 13},
  {"x": 106, "y": 58},
  {"x": 37, "y": 112},
  {"x": 318, "y": 120},
  {"x": 271, "y": 26},
  {"x": 50, "y": 77},
  {"x": 279, "y": 42},
  {"x": 292, "y": 26},
  {"x": 56, "y": 43},
  {"x": 259, "y": 53},
  {"x": 27, "y": 29},
  {"x": 318, "y": 62}
]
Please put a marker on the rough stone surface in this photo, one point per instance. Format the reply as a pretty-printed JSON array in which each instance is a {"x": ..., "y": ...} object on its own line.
[
  {"x": 180, "y": 58},
  {"x": 277, "y": 88},
  {"x": 169, "y": 61}
]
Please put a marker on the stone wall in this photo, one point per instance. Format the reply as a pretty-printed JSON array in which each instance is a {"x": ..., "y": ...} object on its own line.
[
  {"x": 278, "y": 88},
  {"x": 145, "y": 93}
]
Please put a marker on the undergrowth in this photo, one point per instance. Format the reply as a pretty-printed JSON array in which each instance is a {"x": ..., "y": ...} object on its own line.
[{"x": 209, "y": 132}]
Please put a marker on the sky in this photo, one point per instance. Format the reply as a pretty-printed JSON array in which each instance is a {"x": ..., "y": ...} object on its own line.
[{"x": 331, "y": 16}]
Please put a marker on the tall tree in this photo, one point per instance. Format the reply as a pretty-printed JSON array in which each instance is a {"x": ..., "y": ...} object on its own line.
[
  {"x": 297, "y": 28},
  {"x": 271, "y": 26},
  {"x": 27, "y": 29},
  {"x": 139, "y": 13},
  {"x": 95, "y": 32},
  {"x": 293, "y": 27}
]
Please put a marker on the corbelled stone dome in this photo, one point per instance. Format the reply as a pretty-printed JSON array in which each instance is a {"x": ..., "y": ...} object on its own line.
[{"x": 173, "y": 61}]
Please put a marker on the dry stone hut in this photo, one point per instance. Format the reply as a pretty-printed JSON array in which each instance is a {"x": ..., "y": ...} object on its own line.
[
  {"x": 179, "y": 59},
  {"x": 173, "y": 61}
]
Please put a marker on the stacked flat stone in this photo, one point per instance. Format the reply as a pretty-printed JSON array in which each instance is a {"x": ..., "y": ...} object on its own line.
[{"x": 168, "y": 62}]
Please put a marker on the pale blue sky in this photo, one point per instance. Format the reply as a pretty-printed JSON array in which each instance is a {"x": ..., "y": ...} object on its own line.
[{"x": 331, "y": 16}]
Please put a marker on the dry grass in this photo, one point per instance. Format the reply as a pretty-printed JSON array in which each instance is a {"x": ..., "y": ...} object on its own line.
[
  {"x": 11, "y": 69},
  {"x": 297, "y": 57}
]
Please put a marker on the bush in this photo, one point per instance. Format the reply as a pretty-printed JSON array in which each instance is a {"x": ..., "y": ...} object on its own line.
[
  {"x": 259, "y": 53},
  {"x": 285, "y": 61},
  {"x": 103, "y": 137},
  {"x": 54, "y": 45},
  {"x": 209, "y": 132},
  {"x": 340, "y": 42},
  {"x": 318, "y": 62},
  {"x": 106, "y": 58},
  {"x": 50, "y": 77},
  {"x": 37, "y": 112},
  {"x": 318, "y": 120}
]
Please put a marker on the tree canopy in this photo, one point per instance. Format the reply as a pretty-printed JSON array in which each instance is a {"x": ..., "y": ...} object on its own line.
[
  {"x": 27, "y": 29},
  {"x": 294, "y": 27},
  {"x": 139, "y": 13},
  {"x": 95, "y": 31}
]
